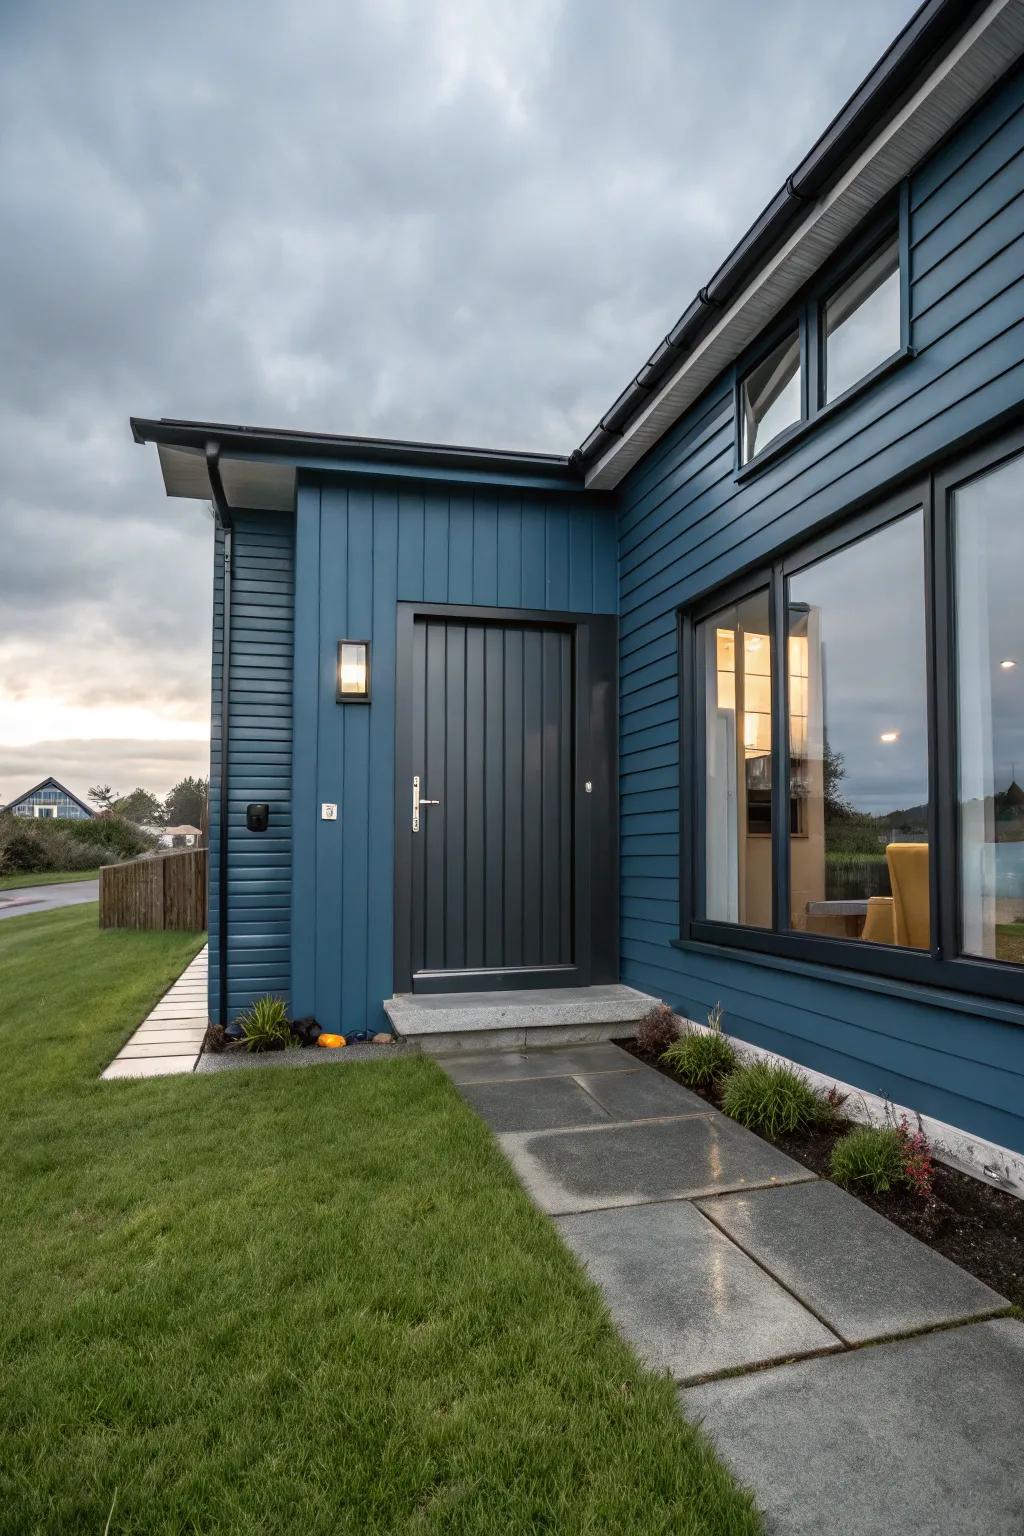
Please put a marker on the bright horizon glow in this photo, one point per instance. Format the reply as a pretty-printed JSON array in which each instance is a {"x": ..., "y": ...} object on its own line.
[{"x": 25, "y": 721}]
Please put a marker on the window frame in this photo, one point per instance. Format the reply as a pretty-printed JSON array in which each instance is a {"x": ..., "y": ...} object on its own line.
[
  {"x": 942, "y": 965},
  {"x": 775, "y": 337},
  {"x": 807, "y": 317}
]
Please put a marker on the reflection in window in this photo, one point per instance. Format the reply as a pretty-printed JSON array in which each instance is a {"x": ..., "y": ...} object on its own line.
[
  {"x": 989, "y": 557},
  {"x": 771, "y": 397},
  {"x": 736, "y": 653},
  {"x": 859, "y": 741},
  {"x": 862, "y": 321}
]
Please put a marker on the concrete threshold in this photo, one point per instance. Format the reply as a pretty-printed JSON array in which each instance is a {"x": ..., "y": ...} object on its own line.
[{"x": 447, "y": 1022}]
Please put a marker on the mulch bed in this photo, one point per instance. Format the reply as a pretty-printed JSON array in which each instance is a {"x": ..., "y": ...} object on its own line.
[{"x": 978, "y": 1227}]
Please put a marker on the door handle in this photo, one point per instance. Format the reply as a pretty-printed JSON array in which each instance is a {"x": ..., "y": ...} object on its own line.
[{"x": 417, "y": 802}]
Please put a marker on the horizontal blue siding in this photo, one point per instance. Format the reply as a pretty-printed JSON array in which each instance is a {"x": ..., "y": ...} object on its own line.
[
  {"x": 686, "y": 524},
  {"x": 360, "y": 550},
  {"x": 259, "y": 760}
]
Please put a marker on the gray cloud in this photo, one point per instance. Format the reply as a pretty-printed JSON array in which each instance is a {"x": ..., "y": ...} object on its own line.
[{"x": 461, "y": 220}]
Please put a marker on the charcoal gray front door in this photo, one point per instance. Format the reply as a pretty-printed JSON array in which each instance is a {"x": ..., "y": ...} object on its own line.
[{"x": 491, "y": 803}]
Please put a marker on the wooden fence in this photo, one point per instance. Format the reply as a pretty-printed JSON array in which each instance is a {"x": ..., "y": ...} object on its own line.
[{"x": 167, "y": 891}]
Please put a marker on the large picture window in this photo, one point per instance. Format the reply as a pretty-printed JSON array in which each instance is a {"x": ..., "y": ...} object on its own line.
[
  {"x": 856, "y": 713},
  {"x": 859, "y": 739},
  {"x": 988, "y": 535},
  {"x": 736, "y": 664}
]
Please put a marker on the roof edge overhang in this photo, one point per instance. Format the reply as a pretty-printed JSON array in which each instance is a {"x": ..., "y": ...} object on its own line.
[
  {"x": 259, "y": 465},
  {"x": 943, "y": 63}
]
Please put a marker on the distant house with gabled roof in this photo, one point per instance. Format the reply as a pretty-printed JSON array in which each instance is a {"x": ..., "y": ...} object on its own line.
[{"x": 50, "y": 798}]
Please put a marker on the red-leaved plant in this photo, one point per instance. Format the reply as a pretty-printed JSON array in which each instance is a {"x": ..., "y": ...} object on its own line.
[{"x": 918, "y": 1165}]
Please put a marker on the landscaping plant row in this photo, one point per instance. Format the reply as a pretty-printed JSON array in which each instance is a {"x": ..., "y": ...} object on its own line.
[
  {"x": 265, "y": 1026},
  {"x": 776, "y": 1100},
  {"x": 890, "y": 1167}
]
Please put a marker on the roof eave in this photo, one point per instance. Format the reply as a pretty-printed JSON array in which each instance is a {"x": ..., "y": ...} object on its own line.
[{"x": 932, "y": 37}]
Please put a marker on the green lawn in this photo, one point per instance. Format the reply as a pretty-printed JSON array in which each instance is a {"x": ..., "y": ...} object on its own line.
[
  {"x": 48, "y": 877},
  {"x": 304, "y": 1302}
]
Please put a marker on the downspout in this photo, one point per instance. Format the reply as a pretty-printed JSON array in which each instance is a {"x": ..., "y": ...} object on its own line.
[{"x": 224, "y": 521}]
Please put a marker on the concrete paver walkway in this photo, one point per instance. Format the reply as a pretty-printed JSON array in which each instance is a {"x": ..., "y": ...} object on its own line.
[
  {"x": 754, "y": 1284},
  {"x": 170, "y": 1039}
]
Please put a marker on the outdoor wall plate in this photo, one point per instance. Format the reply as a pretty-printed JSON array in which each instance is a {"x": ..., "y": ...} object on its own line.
[
  {"x": 328, "y": 811},
  {"x": 257, "y": 816}
]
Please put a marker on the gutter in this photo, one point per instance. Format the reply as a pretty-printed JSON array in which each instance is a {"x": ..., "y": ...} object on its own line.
[
  {"x": 931, "y": 31},
  {"x": 240, "y": 440},
  {"x": 226, "y": 523}
]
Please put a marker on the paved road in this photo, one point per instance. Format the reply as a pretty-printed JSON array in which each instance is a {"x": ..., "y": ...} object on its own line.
[{"x": 45, "y": 898}]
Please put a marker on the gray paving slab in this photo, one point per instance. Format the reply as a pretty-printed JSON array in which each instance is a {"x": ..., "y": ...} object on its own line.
[
  {"x": 641, "y": 1095},
  {"x": 150, "y": 1066},
  {"x": 139, "y": 1049},
  {"x": 166, "y": 1015},
  {"x": 919, "y": 1436},
  {"x": 557, "y": 1061},
  {"x": 194, "y": 1037},
  {"x": 538, "y": 1103},
  {"x": 584, "y": 1170},
  {"x": 864, "y": 1276},
  {"x": 685, "y": 1296}
]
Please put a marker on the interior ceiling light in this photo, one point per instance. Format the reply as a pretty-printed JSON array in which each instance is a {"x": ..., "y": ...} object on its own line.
[
  {"x": 1007, "y": 664},
  {"x": 890, "y": 736}
]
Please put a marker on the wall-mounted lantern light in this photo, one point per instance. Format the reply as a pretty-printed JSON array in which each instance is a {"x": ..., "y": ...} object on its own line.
[{"x": 353, "y": 671}]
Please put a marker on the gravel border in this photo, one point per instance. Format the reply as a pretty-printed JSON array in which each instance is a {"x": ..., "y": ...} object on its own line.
[{"x": 305, "y": 1056}]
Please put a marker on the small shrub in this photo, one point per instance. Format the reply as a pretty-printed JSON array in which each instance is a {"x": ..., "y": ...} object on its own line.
[
  {"x": 773, "y": 1099},
  {"x": 112, "y": 834},
  {"x": 703, "y": 1057},
  {"x": 266, "y": 1026},
  {"x": 657, "y": 1030},
  {"x": 21, "y": 849},
  {"x": 31, "y": 845},
  {"x": 835, "y": 1100},
  {"x": 918, "y": 1167},
  {"x": 869, "y": 1157}
]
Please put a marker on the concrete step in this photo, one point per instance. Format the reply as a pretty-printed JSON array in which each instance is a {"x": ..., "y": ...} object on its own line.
[{"x": 443, "y": 1022}]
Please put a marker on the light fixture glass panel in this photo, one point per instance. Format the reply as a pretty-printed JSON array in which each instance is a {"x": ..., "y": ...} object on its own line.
[{"x": 353, "y": 669}]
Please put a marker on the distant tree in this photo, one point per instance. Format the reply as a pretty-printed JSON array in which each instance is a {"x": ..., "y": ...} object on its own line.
[
  {"x": 185, "y": 803},
  {"x": 102, "y": 796},
  {"x": 837, "y": 807},
  {"x": 140, "y": 807}
]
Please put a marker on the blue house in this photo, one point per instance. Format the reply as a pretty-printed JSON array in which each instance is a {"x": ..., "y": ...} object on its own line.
[
  {"x": 727, "y": 704},
  {"x": 50, "y": 799}
]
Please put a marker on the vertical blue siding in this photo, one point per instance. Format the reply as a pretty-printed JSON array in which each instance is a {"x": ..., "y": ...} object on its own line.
[
  {"x": 685, "y": 525},
  {"x": 260, "y": 760},
  {"x": 359, "y": 551}
]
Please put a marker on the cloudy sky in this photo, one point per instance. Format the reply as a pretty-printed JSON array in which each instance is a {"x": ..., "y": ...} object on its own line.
[{"x": 462, "y": 220}]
